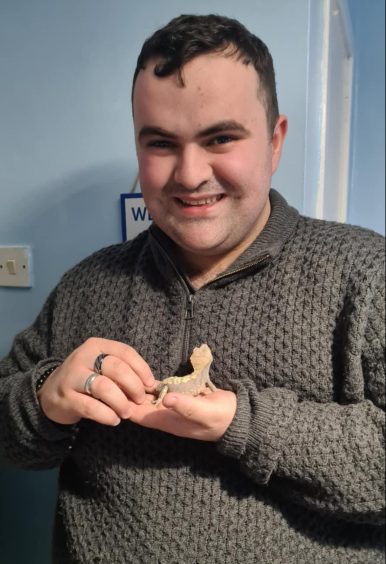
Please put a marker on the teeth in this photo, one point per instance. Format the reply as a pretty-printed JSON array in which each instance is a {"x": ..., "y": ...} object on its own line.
[{"x": 201, "y": 202}]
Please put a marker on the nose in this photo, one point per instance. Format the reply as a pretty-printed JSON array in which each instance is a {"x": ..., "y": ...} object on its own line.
[{"x": 192, "y": 167}]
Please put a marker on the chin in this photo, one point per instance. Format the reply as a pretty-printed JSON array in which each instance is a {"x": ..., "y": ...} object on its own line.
[
  {"x": 203, "y": 248},
  {"x": 189, "y": 241}
]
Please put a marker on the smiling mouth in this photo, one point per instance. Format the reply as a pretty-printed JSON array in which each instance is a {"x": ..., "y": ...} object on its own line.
[{"x": 202, "y": 202}]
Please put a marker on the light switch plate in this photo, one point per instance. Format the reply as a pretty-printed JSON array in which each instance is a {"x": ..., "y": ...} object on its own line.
[{"x": 15, "y": 266}]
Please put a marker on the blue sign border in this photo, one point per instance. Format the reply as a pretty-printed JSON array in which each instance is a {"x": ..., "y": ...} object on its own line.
[{"x": 123, "y": 212}]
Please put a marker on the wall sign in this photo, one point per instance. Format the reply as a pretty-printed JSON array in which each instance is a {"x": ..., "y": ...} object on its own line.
[{"x": 134, "y": 214}]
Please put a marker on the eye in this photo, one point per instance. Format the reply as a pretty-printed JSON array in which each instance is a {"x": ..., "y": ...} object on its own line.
[
  {"x": 159, "y": 144},
  {"x": 221, "y": 140}
]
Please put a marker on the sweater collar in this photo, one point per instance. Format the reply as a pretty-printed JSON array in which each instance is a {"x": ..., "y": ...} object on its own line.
[{"x": 268, "y": 244}]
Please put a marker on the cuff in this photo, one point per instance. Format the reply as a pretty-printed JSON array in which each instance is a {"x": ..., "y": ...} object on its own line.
[
  {"x": 46, "y": 428},
  {"x": 259, "y": 430}
]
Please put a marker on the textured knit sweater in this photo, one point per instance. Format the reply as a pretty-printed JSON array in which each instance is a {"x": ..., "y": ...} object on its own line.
[{"x": 296, "y": 330}]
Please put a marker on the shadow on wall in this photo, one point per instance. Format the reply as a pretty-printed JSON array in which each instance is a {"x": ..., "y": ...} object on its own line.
[{"x": 63, "y": 223}]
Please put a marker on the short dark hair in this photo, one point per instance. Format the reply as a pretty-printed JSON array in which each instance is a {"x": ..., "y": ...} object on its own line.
[{"x": 188, "y": 36}]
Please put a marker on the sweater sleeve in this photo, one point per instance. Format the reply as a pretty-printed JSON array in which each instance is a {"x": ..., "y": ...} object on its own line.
[
  {"x": 326, "y": 456},
  {"x": 28, "y": 439}
]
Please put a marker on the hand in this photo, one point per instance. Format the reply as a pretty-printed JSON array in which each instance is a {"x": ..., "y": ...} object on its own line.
[
  {"x": 204, "y": 417},
  {"x": 126, "y": 376}
]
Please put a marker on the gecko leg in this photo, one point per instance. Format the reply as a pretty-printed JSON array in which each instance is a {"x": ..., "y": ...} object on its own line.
[
  {"x": 161, "y": 395},
  {"x": 211, "y": 386}
]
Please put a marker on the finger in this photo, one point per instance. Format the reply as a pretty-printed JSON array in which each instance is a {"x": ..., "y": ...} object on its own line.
[
  {"x": 125, "y": 353},
  {"x": 124, "y": 377},
  {"x": 76, "y": 406},
  {"x": 95, "y": 410},
  {"x": 165, "y": 419},
  {"x": 186, "y": 405},
  {"x": 107, "y": 391},
  {"x": 207, "y": 417},
  {"x": 155, "y": 417}
]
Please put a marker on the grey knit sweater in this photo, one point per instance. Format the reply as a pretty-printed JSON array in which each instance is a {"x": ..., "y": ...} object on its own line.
[{"x": 296, "y": 330}]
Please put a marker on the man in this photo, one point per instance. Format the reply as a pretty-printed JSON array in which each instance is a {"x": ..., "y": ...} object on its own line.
[{"x": 284, "y": 461}]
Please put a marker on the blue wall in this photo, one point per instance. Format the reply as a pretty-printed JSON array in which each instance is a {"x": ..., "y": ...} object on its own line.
[{"x": 367, "y": 182}]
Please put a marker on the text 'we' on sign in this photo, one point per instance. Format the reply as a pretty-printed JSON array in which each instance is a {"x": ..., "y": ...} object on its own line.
[{"x": 135, "y": 216}]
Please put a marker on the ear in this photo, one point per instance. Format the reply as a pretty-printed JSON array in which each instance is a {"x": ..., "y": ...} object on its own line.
[{"x": 278, "y": 140}]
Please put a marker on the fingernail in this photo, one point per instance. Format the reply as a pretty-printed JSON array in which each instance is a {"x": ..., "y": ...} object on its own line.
[{"x": 116, "y": 423}]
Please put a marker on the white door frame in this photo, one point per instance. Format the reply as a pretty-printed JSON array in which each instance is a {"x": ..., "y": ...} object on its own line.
[{"x": 326, "y": 178}]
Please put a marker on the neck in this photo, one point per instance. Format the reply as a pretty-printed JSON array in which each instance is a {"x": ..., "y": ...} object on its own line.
[
  {"x": 202, "y": 269},
  {"x": 200, "y": 275}
]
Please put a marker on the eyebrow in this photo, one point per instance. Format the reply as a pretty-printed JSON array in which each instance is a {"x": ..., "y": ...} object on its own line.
[{"x": 219, "y": 127}]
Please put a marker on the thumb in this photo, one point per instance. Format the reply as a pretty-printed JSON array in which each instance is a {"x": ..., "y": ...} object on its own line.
[{"x": 184, "y": 404}]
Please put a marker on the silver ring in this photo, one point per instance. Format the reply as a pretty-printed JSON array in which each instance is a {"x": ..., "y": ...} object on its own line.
[
  {"x": 88, "y": 383},
  {"x": 98, "y": 363}
]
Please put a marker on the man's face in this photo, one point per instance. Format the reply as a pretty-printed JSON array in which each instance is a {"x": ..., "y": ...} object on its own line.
[{"x": 205, "y": 155}]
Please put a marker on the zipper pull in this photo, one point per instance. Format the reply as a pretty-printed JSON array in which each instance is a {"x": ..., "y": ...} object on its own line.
[{"x": 189, "y": 307}]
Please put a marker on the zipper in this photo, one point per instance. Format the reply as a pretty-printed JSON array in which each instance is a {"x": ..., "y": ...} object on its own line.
[
  {"x": 189, "y": 314},
  {"x": 189, "y": 306}
]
